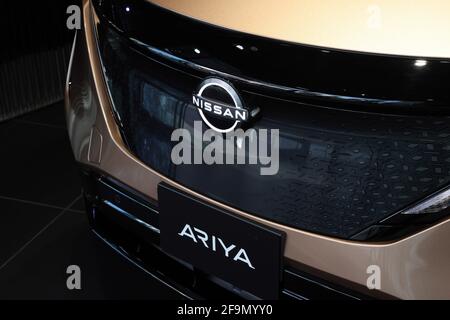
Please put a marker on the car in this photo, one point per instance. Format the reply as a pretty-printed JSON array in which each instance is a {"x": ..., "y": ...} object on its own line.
[{"x": 267, "y": 150}]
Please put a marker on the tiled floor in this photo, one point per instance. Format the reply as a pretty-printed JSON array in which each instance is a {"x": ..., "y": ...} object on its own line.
[{"x": 43, "y": 229}]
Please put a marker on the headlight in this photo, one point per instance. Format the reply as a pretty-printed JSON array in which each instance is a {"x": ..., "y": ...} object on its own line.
[{"x": 413, "y": 218}]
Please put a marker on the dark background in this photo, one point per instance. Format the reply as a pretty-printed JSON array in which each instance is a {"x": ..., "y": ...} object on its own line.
[
  {"x": 34, "y": 55},
  {"x": 43, "y": 225}
]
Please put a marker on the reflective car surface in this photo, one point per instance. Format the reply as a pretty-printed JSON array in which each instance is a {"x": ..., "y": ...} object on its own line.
[{"x": 362, "y": 143}]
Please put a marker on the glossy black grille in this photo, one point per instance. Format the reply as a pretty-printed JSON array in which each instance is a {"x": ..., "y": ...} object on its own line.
[{"x": 340, "y": 170}]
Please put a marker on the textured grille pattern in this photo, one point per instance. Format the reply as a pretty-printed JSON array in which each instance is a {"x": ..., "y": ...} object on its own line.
[{"x": 339, "y": 182}]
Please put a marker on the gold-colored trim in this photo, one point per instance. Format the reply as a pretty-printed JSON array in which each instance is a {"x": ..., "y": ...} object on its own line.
[
  {"x": 417, "y": 267},
  {"x": 397, "y": 27}
]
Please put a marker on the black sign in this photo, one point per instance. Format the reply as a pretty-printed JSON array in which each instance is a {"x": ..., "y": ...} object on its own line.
[{"x": 243, "y": 253}]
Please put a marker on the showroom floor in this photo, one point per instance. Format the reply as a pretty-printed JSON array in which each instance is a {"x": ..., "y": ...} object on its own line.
[{"x": 43, "y": 229}]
